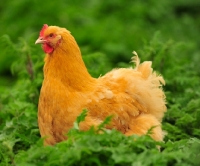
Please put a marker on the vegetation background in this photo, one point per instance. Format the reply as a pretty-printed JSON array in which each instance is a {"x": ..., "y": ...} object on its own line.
[{"x": 165, "y": 32}]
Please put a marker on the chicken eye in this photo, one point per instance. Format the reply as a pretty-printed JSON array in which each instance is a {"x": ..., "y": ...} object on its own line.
[{"x": 51, "y": 35}]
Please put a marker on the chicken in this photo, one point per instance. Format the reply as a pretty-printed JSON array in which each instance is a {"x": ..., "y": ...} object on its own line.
[{"x": 133, "y": 96}]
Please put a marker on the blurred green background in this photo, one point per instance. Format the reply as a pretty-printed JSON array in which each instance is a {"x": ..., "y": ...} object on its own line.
[
  {"x": 166, "y": 32},
  {"x": 114, "y": 28}
]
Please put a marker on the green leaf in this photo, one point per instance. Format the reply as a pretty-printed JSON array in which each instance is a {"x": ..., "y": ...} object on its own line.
[{"x": 80, "y": 118}]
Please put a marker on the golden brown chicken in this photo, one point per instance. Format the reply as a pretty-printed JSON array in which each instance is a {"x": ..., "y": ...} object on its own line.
[{"x": 133, "y": 96}]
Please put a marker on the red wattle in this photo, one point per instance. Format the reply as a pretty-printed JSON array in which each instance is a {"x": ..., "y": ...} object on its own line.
[{"x": 47, "y": 48}]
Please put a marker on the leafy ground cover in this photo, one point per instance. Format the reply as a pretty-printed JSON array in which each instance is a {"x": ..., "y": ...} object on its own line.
[{"x": 165, "y": 32}]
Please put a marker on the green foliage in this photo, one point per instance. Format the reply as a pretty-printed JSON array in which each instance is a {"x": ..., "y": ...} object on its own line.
[
  {"x": 110, "y": 148},
  {"x": 165, "y": 32}
]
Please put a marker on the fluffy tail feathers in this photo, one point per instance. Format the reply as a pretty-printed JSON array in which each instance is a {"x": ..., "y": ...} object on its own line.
[
  {"x": 150, "y": 85},
  {"x": 147, "y": 71}
]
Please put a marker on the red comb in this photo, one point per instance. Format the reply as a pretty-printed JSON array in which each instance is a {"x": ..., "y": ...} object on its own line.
[{"x": 42, "y": 30}]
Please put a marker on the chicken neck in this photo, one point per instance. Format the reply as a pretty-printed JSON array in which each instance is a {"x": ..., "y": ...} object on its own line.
[{"x": 66, "y": 65}]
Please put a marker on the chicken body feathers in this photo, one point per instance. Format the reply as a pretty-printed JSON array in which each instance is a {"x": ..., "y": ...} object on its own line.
[{"x": 133, "y": 96}]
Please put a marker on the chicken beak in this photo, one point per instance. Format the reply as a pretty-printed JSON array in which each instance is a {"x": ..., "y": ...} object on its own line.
[{"x": 40, "y": 40}]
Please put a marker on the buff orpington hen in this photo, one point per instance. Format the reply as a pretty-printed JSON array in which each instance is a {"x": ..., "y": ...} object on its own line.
[{"x": 133, "y": 96}]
